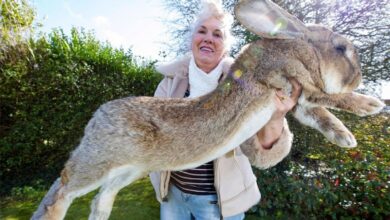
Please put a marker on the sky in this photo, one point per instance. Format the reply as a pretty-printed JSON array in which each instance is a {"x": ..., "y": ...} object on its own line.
[
  {"x": 136, "y": 24},
  {"x": 386, "y": 90}
]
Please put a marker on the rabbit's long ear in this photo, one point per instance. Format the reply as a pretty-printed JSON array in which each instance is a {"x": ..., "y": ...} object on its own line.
[{"x": 268, "y": 20}]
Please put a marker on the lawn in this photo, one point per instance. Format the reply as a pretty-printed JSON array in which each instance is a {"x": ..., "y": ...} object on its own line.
[{"x": 136, "y": 201}]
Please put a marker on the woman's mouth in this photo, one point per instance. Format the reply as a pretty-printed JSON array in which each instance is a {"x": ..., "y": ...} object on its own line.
[{"x": 206, "y": 49}]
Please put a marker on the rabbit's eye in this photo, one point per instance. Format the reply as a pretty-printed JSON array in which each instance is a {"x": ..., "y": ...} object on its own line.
[{"x": 340, "y": 49}]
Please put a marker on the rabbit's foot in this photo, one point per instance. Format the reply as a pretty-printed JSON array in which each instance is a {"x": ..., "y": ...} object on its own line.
[
  {"x": 368, "y": 105},
  {"x": 342, "y": 138}
]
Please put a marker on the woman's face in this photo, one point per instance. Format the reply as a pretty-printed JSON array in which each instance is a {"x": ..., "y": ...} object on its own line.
[{"x": 208, "y": 44}]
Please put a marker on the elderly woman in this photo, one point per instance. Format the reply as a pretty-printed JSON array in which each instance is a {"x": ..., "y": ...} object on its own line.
[{"x": 225, "y": 187}]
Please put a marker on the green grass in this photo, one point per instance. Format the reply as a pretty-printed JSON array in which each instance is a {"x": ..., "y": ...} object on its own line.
[{"x": 136, "y": 201}]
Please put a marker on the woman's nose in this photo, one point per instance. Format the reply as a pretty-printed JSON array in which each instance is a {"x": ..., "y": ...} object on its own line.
[{"x": 208, "y": 38}]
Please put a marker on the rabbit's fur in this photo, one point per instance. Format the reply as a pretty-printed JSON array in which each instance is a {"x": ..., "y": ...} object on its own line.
[
  {"x": 130, "y": 137},
  {"x": 325, "y": 63}
]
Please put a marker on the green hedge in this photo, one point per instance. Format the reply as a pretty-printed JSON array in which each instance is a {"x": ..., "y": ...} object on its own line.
[
  {"x": 48, "y": 94},
  {"x": 319, "y": 180}
]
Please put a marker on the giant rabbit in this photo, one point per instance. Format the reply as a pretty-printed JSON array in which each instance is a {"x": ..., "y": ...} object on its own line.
[{"x": 130, "y": 137}]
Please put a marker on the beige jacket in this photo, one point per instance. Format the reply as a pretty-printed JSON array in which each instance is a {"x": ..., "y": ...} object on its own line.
[{"x": 235, "y": 182}]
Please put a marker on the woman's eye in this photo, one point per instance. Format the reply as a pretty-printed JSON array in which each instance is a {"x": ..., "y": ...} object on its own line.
[{"x": 201, "y": 31}]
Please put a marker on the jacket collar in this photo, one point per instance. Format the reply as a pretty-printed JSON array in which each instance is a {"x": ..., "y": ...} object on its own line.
[{"x": 179, "y": 67}]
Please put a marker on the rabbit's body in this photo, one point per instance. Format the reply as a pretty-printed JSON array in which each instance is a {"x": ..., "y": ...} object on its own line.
[
  {"x": 130, "y": 137},
  {"x": 131, "y": 130}
]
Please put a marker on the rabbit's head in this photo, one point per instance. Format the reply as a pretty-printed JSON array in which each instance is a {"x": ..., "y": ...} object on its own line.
[{"x": 338, "y": 58}]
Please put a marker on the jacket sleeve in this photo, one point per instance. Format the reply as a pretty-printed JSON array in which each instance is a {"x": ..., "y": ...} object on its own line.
[
  {"x": 162, "y": 88},
  {"x": 265, "y": 158}
]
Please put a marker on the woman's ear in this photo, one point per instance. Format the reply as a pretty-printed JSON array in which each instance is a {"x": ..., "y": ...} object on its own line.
[{"x": 268, "y": 20}]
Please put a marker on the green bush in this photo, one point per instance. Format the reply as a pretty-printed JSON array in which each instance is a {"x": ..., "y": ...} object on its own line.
[
  {"x": 47, "y": 97},
  {"x": 16, "y": 17},
  {"x": 322, "y": 181}
]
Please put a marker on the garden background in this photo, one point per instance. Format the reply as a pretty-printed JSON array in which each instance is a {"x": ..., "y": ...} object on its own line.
[{"x": 51, "y": 83}]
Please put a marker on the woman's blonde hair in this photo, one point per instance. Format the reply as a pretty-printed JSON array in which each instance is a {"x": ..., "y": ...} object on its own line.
[{"x": 213, "y": 9}]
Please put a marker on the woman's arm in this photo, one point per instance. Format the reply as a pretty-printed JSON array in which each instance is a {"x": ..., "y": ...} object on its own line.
[
  {"x": 273, "y": 142},
  {"x": 271, "y": 132}
]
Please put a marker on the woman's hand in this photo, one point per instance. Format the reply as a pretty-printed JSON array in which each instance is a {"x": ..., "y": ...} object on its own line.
[
  {"x": 271, "y": 132},
  {"x": 285, "y": 103}
]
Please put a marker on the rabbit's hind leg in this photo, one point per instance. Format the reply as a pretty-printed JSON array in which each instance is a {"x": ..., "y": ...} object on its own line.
[
  {"x": 58, "y": 199},
  {"x": 102, "y": 204}
]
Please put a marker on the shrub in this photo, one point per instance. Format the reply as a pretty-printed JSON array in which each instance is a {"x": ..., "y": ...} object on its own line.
[
  {"x": 47, "y": 97},
  {"x": 323, "y": 181}
]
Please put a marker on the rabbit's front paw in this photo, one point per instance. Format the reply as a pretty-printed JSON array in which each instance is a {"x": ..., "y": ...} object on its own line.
[
  {"x": 343, "y": 138},
  {"x": 369, "y": 105}
]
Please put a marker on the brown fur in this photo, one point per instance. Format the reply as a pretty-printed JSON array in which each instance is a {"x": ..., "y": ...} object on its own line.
[{"x": 325, "y": 63}]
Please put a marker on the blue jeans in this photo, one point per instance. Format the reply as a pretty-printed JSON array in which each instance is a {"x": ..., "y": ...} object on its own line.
[{"x": 184, "y": 206}]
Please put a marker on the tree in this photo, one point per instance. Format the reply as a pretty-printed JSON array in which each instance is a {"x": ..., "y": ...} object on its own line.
[{"x": 365, "y": 22}]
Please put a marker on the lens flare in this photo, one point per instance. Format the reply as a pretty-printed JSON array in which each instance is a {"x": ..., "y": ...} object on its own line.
[{"x": 237, "y": 74}]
